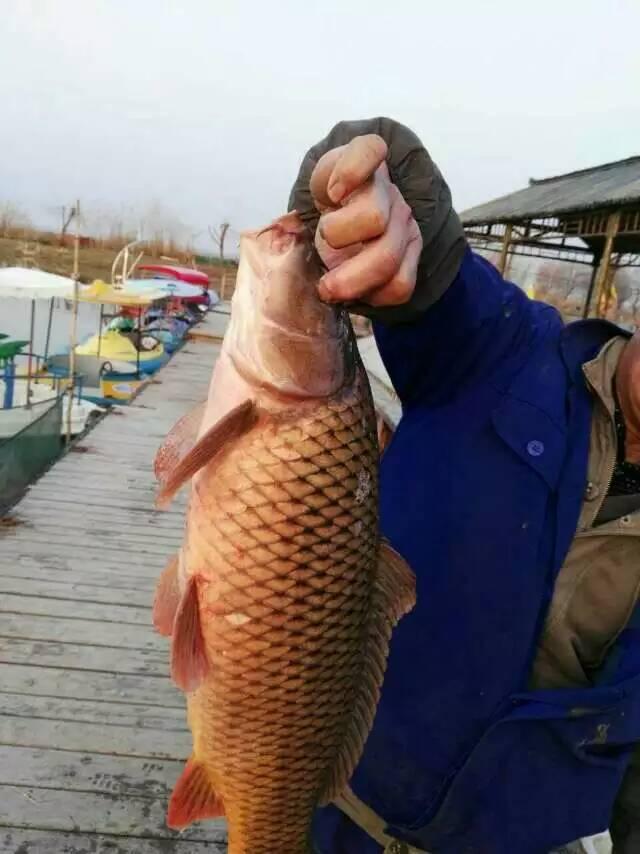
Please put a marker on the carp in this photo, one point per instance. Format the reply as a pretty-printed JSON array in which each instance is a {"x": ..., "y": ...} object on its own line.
[{"x": 282, "y": 599}]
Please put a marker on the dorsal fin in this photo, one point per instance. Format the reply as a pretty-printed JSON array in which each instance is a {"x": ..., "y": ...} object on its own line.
[
  {"x": 237, "y": 422},
  {"x": 394, "y": 595}
]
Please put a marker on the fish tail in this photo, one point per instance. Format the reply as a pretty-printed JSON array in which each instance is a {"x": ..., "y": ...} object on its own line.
[{"x": 194, "y": 797}]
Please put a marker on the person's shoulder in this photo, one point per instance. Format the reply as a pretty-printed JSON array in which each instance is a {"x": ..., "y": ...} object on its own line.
[{"x": 582, "y": 340}]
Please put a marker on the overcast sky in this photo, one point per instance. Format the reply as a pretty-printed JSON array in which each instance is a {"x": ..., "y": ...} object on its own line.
[{"x": 206, "y": 106}]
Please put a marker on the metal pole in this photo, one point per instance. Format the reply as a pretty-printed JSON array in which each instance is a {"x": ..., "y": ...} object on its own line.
[
  {"x": 31, "y": 335},
  {"x": 504, "y": 251},
  {"x": 9, "y": 382},
  {"x": 139, "y": 342},
  {"x": 100, "y": 329},
  {"x": 49, "y": 322},
  {"x": 74, "y": 320}
]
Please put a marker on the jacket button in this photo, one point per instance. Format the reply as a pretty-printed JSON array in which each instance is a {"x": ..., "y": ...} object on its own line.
[
  {"x": 535, "y": 448},
  {"x": 592, "y": 491}
]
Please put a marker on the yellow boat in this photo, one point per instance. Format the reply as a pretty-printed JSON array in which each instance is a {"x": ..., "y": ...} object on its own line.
[
  {"x": 115, "y": 346},
  {"x": 143, "y": 352}
]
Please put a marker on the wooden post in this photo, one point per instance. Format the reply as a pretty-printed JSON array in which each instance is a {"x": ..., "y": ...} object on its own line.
[
  {"x": 592, "y": 283},
  {"x": 613, "y": 223},
  {"x": 504, "y": 251},
  {"x": 74, "y": 320}
]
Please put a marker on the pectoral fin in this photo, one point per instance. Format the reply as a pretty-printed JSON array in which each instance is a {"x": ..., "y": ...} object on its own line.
[
  {"x": 235, "y": 424},
  {"x": 178, "y": 442}
]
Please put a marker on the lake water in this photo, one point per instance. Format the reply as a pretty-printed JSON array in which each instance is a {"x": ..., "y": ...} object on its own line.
[{"x": 15, "y": 319}]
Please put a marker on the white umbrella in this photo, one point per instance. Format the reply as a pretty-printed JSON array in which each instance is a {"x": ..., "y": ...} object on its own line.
[
  {"x": 28, "y": 284},
  {"x": 24, "y": 283}
]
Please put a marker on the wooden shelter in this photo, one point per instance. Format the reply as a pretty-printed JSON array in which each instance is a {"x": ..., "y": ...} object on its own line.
[{"x": 590, "y": 217}]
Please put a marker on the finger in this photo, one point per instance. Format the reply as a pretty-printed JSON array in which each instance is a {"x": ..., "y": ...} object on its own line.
[
  {"x": 400, "y": 289},
  {"x": 376, "y": 264},
  {"x": 356, "y": 163},
  {"x": 363, "y": 217},
  {"x": 320, "y": 178},
  {"x": 334, "y": 257}
]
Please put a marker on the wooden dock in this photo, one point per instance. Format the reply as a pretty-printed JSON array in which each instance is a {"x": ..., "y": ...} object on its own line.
[{"x": 92, "y": 731}]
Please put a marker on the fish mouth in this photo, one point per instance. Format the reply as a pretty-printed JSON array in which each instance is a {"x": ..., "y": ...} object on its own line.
[{"x": 290, "y": 223}]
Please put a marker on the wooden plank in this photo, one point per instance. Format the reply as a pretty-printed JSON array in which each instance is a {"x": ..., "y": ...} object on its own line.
[
  {"x": 88, "y": 772},
  {"x": 94, "y": 510},
  {"x": 110, "y": 739},
  {"x": 84, "y": 657},
  {"x": 51, "y": 809},
  {"x": 76, "y": 591},
  {"x": 148, "y": 554},
  {"x": 116, "y": 635},
  {"x": 94, "y": 515},
  {"x": 68, "y": 567},
  {"x": 104, "y": 499},
  {"x": 38, "y": 546},
  {"x": 70, "y": 609},
  {"x": 153, "y": 539},
  {"x": 29, "y": 841},
  {"x": 123, "y": 478},
  {"x": 114, "y": 579},
  {"x": 58, "y": 682},
  {"x": 104, "y": 712},
  {"x": 106, "y": 540}
]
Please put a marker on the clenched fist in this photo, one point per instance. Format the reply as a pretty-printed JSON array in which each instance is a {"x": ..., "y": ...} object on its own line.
[
  {"x": 382, "y": 216},
  {"x": 367, "y": 235}
]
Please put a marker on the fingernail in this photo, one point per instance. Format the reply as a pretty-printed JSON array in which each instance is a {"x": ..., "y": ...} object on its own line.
[{"x": 336, "y": 191}]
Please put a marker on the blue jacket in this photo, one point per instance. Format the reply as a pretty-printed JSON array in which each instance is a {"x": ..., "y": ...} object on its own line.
[{"x": 481, "y": 489}]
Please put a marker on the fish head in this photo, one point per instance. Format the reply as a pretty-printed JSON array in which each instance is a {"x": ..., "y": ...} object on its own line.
[{"x": 281, "y": 336}]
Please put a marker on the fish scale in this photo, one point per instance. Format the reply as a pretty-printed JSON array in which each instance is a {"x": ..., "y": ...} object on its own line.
[{"x": 283, "y": 600}]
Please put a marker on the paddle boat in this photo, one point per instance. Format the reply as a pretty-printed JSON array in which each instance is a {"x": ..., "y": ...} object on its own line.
[
  {"x": 126, "y": 347},
  {"x": 181, "y": 274},
  {"x": 208, "y": 296},
  {"x": 170, "y": 329},
  {"x": 26, "y": 382},
  {"x": 170, "y": 321},
  {"x": 120, "y": 358}
]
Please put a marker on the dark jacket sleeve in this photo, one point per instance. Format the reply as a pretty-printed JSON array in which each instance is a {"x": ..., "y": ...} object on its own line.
[{"x": 424, "y": 189}]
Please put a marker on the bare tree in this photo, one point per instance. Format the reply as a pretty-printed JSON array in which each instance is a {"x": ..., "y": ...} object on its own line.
[
  {"x": 66, "y": 217},
  {"x": 163, "y": 231},
  {"x": 12, "y": 219},
  {"x": 218, "y": 235}
]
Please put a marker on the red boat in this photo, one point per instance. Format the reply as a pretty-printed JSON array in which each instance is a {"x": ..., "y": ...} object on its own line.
[{"x": 184, "y": 274}]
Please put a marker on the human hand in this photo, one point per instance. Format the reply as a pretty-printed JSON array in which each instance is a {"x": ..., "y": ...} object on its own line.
[
  {"x": 367, "y": 235},
  {"x": 358, "y": 178}
]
